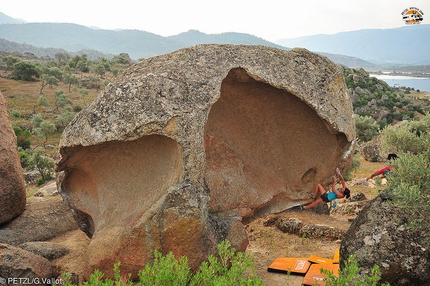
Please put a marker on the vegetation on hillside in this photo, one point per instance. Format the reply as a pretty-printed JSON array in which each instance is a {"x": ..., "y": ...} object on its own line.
[
  {"x": 377, "y": 105},
  {"x": 409, "y": 183},
  {"x": 43, "y": 98}
]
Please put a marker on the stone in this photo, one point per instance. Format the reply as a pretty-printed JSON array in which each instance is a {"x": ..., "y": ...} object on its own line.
[
  {"x": 372, "y": 150},
  {"x": 44, "y": 218},
  {"x": 45, "y": 249},
  {"x": 313, "y": 230},
  {"x": 48, "y": 190},
  {"x": 183, "y": 149},
  {"x": 12, "y": 186},
  {"x": 20, "y": 267},
  {"x": 380, "y": 235},
  {"x": 290, "y": 225}
]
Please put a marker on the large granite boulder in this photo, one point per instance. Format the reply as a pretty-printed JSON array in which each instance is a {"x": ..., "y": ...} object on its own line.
[
  {"x": 12, "y": 186},
  {"x": 183, "y": 149},
  {"x": 381, "y": 235}
]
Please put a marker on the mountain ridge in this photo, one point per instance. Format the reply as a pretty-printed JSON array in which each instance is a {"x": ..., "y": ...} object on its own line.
[
  {"x": 352, "y": 49},
  {"x": 404, "y": 45},
  {"x": 137, "y": 43}
]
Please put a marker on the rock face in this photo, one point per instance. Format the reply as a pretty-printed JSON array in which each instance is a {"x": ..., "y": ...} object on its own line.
[
  {"x": 183, "y": 148},
  {"x": 380, "y": 236},
  {"x": 12, "y": 186}
]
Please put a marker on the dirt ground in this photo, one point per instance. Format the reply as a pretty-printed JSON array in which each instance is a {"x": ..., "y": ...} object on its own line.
[{"x": 268, "y": 243}]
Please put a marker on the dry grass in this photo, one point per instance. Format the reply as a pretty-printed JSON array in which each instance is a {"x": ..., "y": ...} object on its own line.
[{"x": 23, "y": 95}]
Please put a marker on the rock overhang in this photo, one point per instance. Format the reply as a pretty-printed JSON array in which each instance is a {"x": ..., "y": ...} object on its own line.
[{"x": 226, "y": 111}]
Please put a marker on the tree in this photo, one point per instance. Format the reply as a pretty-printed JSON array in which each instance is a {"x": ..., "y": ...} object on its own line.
[
  {"x": 45, "y": 129},
  {"x": 100, "y": 69},
  {"x": 42, "y": 100},
  {"x": 25, "y": 71},
  {"x": 70, "y": 79},
  {"x": 60, "y": 99},
  {"x": 64, "y": 118},
  {"x": 83, "y": 92},
  {"x": 404, "y": 139},
  {"x": 43, "y": 164},
  {"x": 48, "y": 80},
  {"x": 36, "y": 120},
  {"x": 10, "y": 61}
]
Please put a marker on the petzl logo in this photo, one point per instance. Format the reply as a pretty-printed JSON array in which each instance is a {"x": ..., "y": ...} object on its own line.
[{"x": 412, "y": 16}]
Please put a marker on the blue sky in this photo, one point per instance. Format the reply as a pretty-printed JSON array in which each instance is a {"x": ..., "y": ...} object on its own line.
[{"x": 270, "y": 19}]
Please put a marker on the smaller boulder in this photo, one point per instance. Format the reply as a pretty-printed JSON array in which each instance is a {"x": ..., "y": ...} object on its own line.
[
  {"x": 46, "y": 249},
  {"x": 43, "y": 219},
  {"x": 25, "y": 268},
  {"x": 321, "y": 231},
  {"x": 48, "y": 190},
  {"x": 290, "y": 225}
]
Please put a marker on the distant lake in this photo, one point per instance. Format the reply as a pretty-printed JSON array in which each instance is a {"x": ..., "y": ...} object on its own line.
[{"x": 421, "y": 83}]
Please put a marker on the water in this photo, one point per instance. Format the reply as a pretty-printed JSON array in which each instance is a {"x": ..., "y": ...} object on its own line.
[{"x": 421, "y": 83}]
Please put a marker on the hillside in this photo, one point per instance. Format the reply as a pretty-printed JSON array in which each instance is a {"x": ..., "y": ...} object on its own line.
[
  {"x": 138, "y": 44},
  {"x": 37, "y": 54},
  {"x": 5, "y": 19},
  {"x": 406, "y": 45}
]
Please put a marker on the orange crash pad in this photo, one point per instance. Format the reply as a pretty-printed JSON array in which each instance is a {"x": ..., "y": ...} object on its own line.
[
  {"x": 290, "y": 265},
  {"x": 319, "y": 259},
  {"x": 314, "y": 276},
  {"x": 336, "y": 256}
]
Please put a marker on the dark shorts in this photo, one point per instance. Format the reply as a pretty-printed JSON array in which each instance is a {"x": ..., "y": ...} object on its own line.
[{"x": 325, "y": 198}]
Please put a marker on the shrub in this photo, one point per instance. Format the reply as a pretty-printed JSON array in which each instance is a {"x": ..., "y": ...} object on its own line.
[
  {"x": 44, "y": 165},
  {"x": 15, "y": 113},
  {"x": 408, "y": 185},
  {"x": 404, "y": 140},
  {"x": 366, "y": 128},
  {"x": 350, "y": 275},
  {"x": 22, "y": 137},
  {"x": 227, "y": 268}
]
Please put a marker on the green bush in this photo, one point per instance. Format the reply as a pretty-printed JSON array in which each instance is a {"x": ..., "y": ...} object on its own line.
[
  {"x": 366, "y": 128},
  {"x": 15, "y": 113},
  {"x": 409, "y": 182},
  {"x": 412, "y": 137},
  {"x": 165, "y": 270},
  {"x": 350, "y": 275},
  {"x": 22, "y": 137}
]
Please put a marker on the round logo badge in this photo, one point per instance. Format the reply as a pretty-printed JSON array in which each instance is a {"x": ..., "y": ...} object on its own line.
[{"x": 412, "y": 16}]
